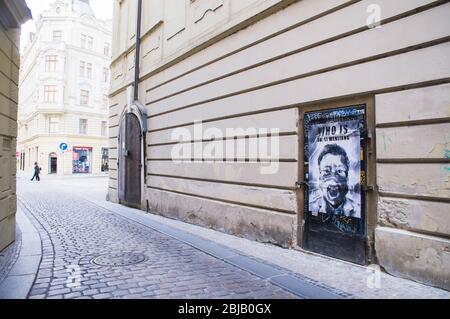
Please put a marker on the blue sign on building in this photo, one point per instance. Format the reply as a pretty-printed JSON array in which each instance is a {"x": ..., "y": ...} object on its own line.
[{"x": 63, "y": 146}]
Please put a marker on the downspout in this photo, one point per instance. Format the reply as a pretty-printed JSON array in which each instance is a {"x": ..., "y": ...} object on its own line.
[
  {"x": 137, "y": 51},
  {"x": 142, "y": 109}
]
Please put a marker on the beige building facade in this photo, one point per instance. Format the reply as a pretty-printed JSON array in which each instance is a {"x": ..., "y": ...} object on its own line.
[
  {"x": 241, "y": 68},
  {"x": 12, "y": 15},
  {"x": 64, "y": 82}
]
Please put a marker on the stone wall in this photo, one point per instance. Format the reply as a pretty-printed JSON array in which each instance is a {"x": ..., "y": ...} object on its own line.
[
  {"x": 259, "y": 65},
  {"x": 9, "y": 77}
]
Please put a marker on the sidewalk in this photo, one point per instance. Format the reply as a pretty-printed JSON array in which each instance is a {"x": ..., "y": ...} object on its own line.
[{"x": 23, "y": 264}]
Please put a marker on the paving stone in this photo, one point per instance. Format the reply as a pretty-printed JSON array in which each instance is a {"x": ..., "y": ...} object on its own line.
[
  {"x": 90, "y": 292},
  {"x": 103, "y": 296},
  {"x": 58, "y": 291},
  {"x": 72, "y": 295}
]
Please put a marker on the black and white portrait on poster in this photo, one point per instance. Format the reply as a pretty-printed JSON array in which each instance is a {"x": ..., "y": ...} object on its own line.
[{"x": 334, "y": 148}]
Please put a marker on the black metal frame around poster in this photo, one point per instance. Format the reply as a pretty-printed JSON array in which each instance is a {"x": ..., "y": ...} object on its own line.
[{"x": 321, "y": 233}]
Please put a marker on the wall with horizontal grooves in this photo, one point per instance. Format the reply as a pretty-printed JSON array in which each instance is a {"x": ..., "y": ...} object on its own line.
[
  {"x": 413, "y": 173},
  {"x": 261, "y": 75},
  {"x": 9, "y": 77}
]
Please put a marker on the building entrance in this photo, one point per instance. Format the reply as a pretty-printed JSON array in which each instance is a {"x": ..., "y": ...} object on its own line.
[{"x": 53, "y": 164}]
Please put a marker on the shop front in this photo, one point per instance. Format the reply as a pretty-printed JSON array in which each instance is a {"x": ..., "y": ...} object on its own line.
[{"x": 82, "y": 160}]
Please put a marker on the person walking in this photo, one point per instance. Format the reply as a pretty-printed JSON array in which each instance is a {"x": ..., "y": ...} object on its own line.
[{"x": 37, "y": 171}]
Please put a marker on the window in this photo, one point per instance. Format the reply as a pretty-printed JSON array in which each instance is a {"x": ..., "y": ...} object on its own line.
[
  {"x": 82, "y": 68},
  {"x": 83, "y": 127},
  {"x": 53, "y": 125},
  {"x": 90, "y": 43},
  {"x": 106, "y": 49},
  {"x": 104, "y": 128},
  {"x": 57, "y": 36},
  {"x": 85, "y": 69},
  {"x": 83, "y": 41},
  {"x": 105, "y": 101},
  {"x": 84, "y": 97},
  {"x": 105, "y": 75},
  {"x": 89, "y": 70},
  {"x": 50, "y": 63},
  {"x": 49, "y": 93}
]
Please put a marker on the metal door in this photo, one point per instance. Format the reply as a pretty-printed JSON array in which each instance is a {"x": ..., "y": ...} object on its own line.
[
  {"x": 335, "y": 158},
  {"x": 129, "y": 166}
]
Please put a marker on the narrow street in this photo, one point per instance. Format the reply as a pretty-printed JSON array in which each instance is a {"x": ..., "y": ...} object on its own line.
[
  {"x": 86, "y": 247},
  {"x": 75, "y": 231}
]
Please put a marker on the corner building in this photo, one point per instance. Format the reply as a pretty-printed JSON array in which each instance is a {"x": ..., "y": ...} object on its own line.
[{"x": 64, "y": 83}]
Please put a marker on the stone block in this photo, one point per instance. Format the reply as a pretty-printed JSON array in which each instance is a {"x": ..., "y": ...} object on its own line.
[{"x": 414, "y": 256}]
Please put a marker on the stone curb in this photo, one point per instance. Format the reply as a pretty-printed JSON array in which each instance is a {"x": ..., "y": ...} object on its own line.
[{"x": 20, "y": 279}]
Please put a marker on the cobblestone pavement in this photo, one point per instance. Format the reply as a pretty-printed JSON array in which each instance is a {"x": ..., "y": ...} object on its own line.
[
  {"x": 74, "y": 232},
  {"x": 76, "y": 225}
]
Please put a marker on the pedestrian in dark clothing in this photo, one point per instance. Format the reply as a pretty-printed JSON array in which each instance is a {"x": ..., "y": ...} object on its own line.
[{"x": 37, "y": 171}]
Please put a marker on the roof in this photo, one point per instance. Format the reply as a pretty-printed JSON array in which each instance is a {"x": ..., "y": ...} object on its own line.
[
  {"x": 13, "y": 13},
  {"x": 83, "y": 7}
]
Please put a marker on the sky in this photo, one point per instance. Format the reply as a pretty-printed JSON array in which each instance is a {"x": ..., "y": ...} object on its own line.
[{"x": 103, "y": 9}]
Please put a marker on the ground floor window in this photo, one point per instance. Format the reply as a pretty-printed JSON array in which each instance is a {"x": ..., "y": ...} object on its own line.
[
  {"x": 105, "y": 159},
  {"x": 82, "y": 160}
]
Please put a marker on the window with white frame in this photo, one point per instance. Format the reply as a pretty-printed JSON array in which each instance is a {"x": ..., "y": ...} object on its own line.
[
  {"x": 50, "y": 93},
  {"x": 83, "y": 41},
  {"x": 57, "y": 35},
  {"x": 84, "y": 97},
  {"x": 104, "y": 128},
  {"x": 82, "y": 128},
  {"x": 106, "y": 49},
  {"x": 85, "y": 70},
  {"x": 89, "y": 70},
  {"x": 105, "y": 75},
  {"x": 53, "y": 124},
  {"x": 82, "y": 68},
  {"x": 90, "y": 43},
  {"x": 50, "y": 63}
]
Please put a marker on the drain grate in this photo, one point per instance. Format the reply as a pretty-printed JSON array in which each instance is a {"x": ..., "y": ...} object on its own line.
[{"x": 119, "y": 259}]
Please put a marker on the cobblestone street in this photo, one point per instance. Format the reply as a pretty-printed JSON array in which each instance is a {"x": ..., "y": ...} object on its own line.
[
  {"x": 75, "y": 231},
  {"x": 90, "y": 249}
]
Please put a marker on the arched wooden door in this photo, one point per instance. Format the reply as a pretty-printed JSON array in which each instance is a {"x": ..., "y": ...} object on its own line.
[{"x": 130, "y": 165}]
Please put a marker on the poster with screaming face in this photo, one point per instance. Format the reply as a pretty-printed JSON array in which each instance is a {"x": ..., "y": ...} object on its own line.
[{"x": 334, "y": 165}]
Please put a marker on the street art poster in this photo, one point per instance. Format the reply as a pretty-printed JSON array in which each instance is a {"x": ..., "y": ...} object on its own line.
[{"x": 334, "y": 162}]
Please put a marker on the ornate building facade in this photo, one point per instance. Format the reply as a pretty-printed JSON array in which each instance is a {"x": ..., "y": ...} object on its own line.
[{"x": 64, "y": 83}]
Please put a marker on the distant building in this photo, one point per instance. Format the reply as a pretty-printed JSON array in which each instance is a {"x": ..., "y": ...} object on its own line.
[
  {"x": 359, "y": 93},
  {"x": 13, "y": 13},
  {"x": 64, "y": 83}
]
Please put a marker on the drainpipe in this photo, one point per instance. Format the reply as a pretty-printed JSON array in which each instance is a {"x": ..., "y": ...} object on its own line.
[
  {"x": 138, "y": 50},
  {"x": 140, "y": 106},
  {"x": 142, "y": 109}
]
